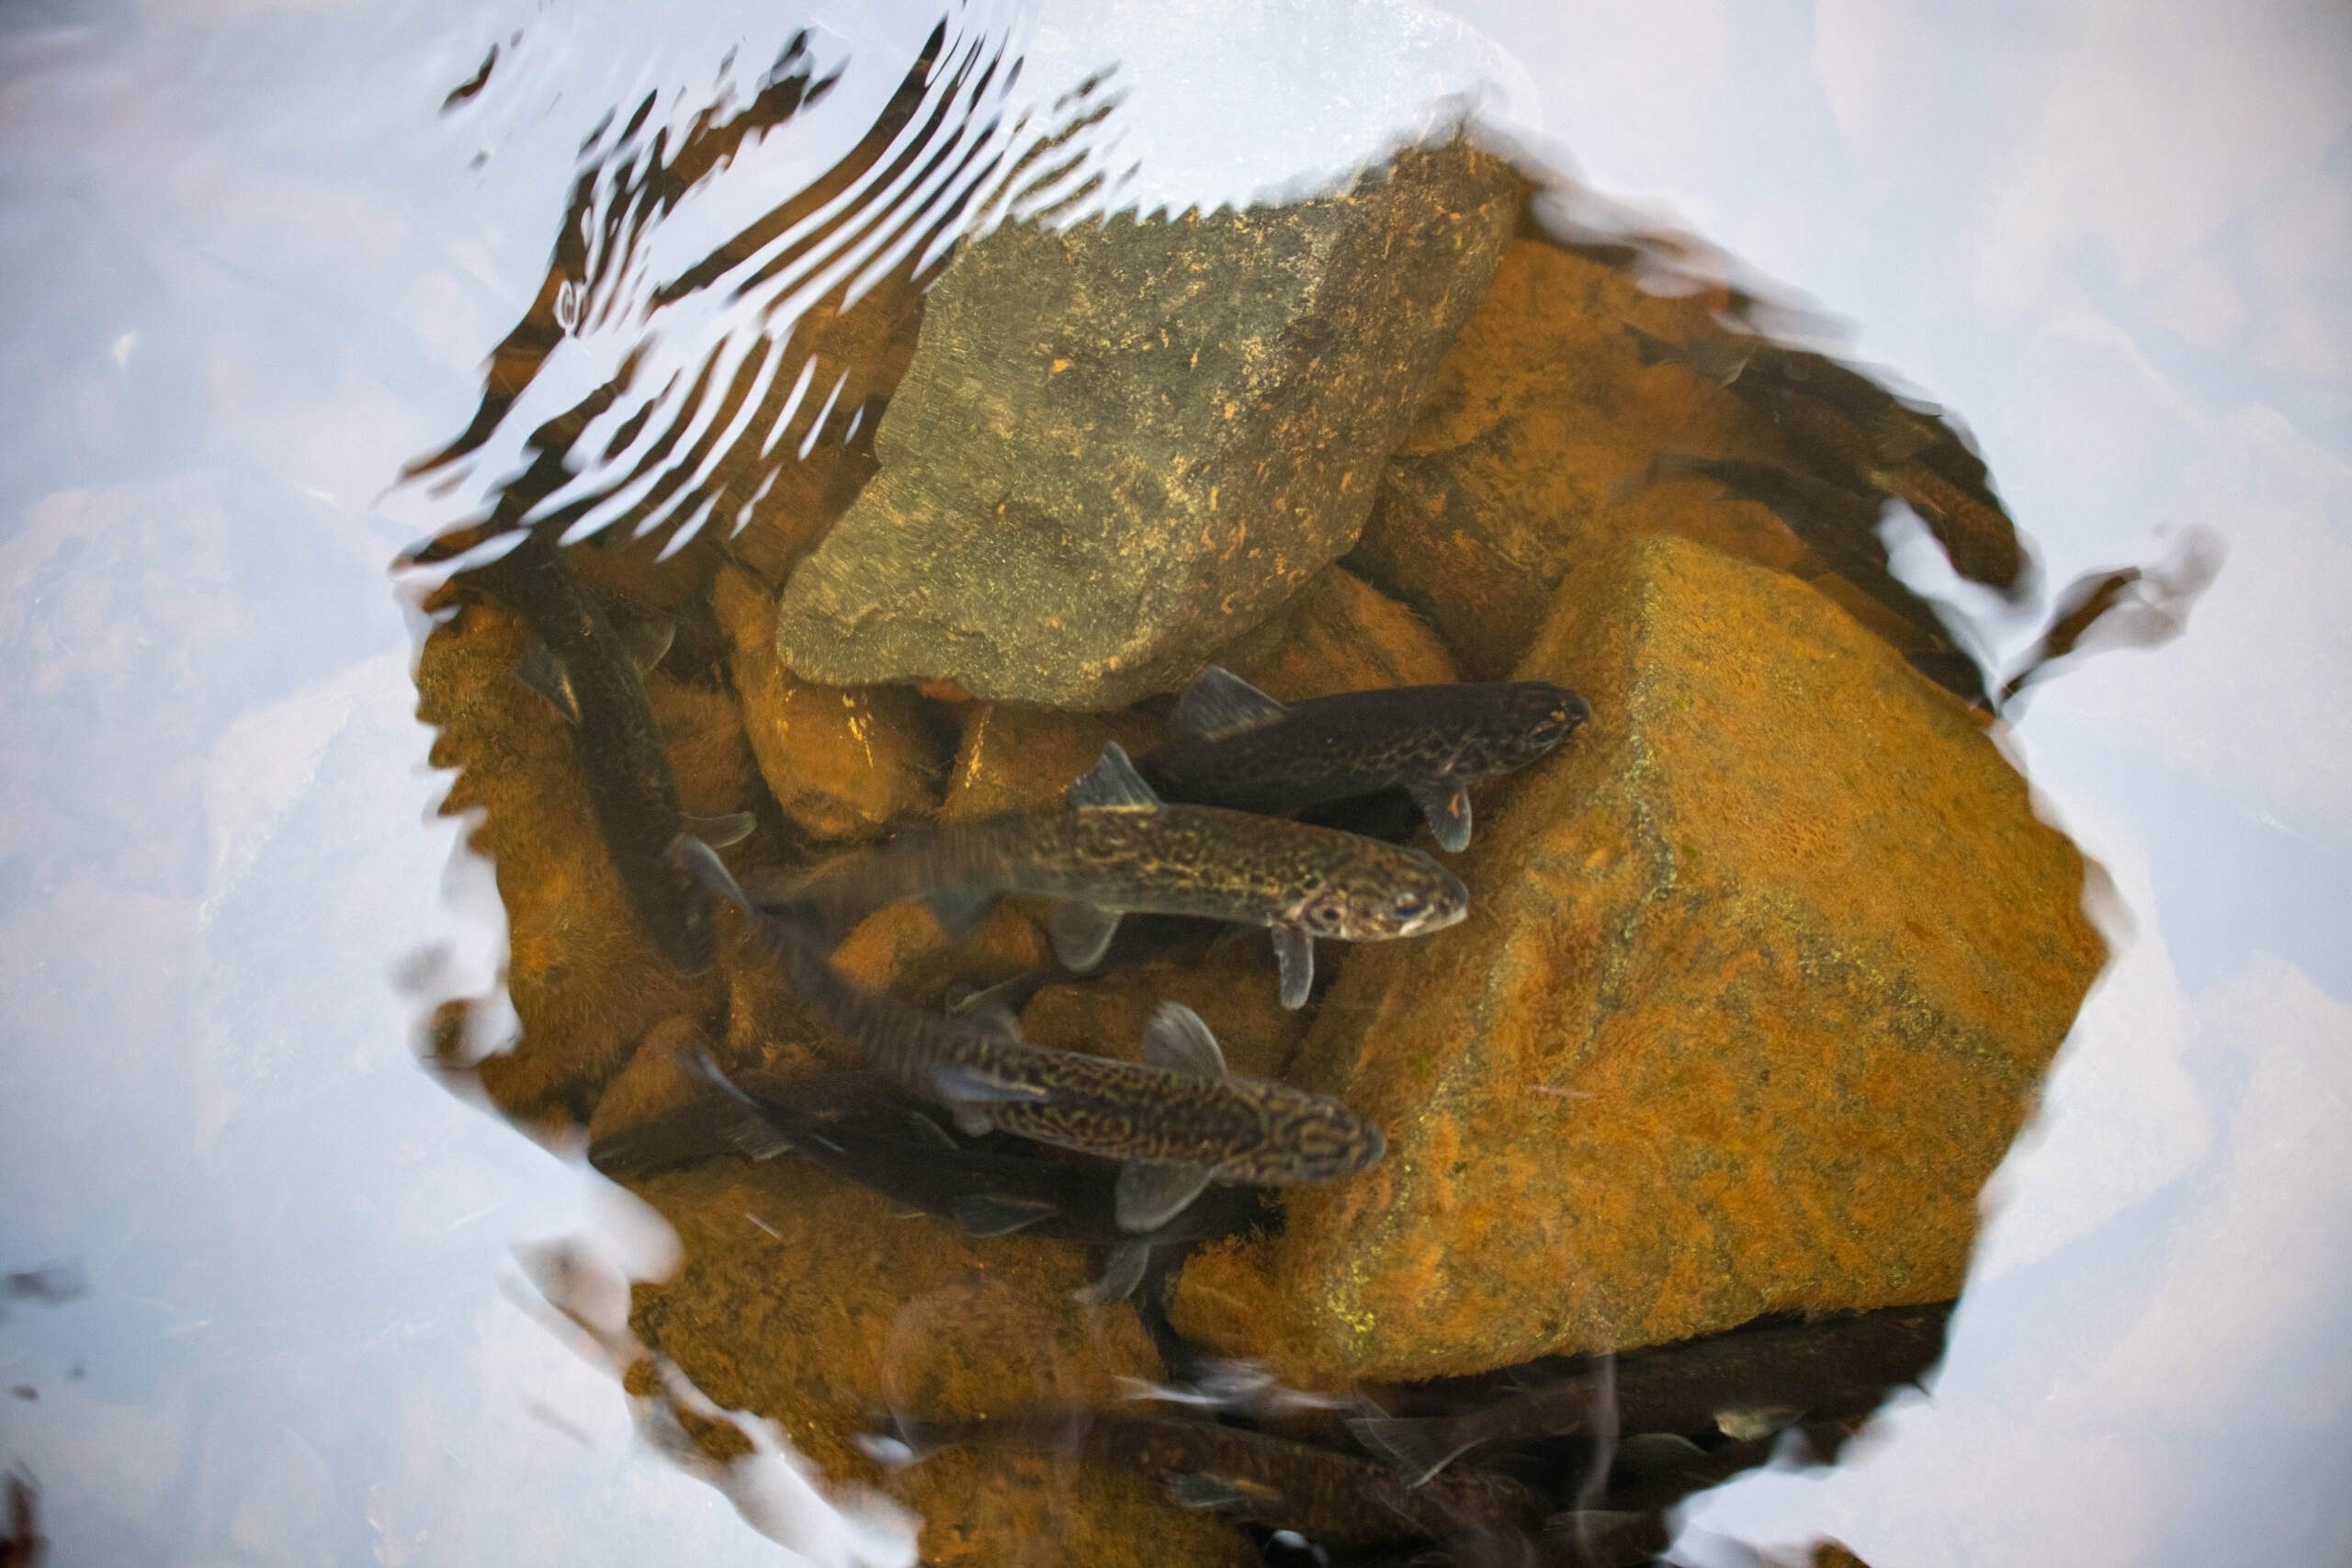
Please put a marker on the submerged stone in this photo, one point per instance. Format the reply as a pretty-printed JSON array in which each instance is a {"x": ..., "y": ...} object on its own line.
[
  {"x": 809, "y": 1300},
  {"x": 1339, "y": 634},
  {"x": 1532, "y": 446},
  {"x": 843, "y": 764},
  {"x": 1759, "y": 982},
  {"x": 1122, "y": 442}
]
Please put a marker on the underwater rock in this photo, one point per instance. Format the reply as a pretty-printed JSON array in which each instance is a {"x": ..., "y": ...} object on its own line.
[
  {"x": 653, "y": 1081},
  {"x": 1339, "y": 634},
  {"x": 1017, "y": 758},
  {"x": 1760, "y": 978},
  {"x": 1120, "y": 443},
  {"x": 1531, "y": 446},
  {"x": 585, "y": 981},
  {"x": 807, "y": 1300},
  {"x": 710, "y": 757},
  {"x": 860, "y": 351},
  {"x": 843, "y": 764}
]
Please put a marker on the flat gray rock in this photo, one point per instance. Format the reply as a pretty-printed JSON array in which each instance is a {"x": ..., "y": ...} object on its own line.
[{"x": 1122, "y": 445}]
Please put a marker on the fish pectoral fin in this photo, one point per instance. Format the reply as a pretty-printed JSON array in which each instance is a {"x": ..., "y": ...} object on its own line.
[
  {"x": 960, "y": 1085},
  {"x": 702, "y": 863},
  {"x": 1177, "y": 1039},
  {"x": 991, "y": 1214},
  {"x": 720, "y": 832},
  {"x": 1209, "y": 1493},
  {"x": 1416, "y": 1447},
  {"x": 1151, "y": 1195},
  {"x": 541, "y": 670},
  {"x": 755, "y": 1138},
  {"x": 648, "y": 641},
  {"x": 1121, "y": 1272},
  {"x": 1112, "y": 784},
  {"x": 1295, "y": 956},
  {"x": 961, "y": 910},
  {"x": 993, "y": 1008},
  {"x": 931, "y": 1131},
  {"x": 1081, "y": 934},
  {"x": 1218, "y": 703},
  {"x": 1448, "y": 810}
]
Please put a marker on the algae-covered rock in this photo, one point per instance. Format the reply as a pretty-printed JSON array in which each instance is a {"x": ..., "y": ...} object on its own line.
[
  {"x": 1339, "y": 634},
  {"x": 1759, "y": 979},
  {"x": 843, "y": 764},
  {"x": 1121, "y": 443},
  {"x": 806, "y": 1300},
  {"x": 1532, "y": 445}
]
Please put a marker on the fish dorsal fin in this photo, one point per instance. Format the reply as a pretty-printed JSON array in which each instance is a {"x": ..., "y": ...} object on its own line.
[
  {"x": 541, "y": 670},
  {"x": 1218, "y": 703},
  {"x": 1177, "y": 1039},
  {"x": 1151, "y": 1195},
  {"x": 1114, "y": 785},
  {"x": 647, "y": 641},
  {"x": 1121, "y": 1272}
]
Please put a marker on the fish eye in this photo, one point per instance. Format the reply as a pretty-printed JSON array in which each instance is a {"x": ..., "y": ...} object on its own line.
[{"x": 1405, "y": 906}]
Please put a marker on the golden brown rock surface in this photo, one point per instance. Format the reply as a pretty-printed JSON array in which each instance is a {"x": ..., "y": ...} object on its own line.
[
  {"x": 806, "y": 1300},
  {"x": 1017, "y": 758},
  {"x": 1339, "y": 634},
  {"x": 842, "y": 763},
  {"x": 1531, "y": 446},
  {"x": 1760, "y": 975}
]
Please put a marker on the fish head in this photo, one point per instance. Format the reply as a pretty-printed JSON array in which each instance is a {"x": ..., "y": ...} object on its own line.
[
  {"x": 1392, "y": 893},
  {"x": 1527, "y": 720},
  {"x": 1322, "y": 1140}
]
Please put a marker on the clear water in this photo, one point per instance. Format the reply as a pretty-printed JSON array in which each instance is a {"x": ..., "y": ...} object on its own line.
[{"x": 255, "y": 260}]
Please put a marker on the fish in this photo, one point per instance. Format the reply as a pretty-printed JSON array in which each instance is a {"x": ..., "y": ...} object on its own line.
[
  {"x": 1176, "y": 1121},
  {"x": 857, "y": 1125},
  {"x": 1117, "y": 849},
  {"x": 1833, "y": 1367},
  {"x": 1842, "y": 420},
  {"x": 1269, "y": 1480},
  {"x": 1233, "y": 746},
  {"x": 1840, "y": 526},
  {"x": 591, "y": 676},
  {"x": 2129, "y": 606}
]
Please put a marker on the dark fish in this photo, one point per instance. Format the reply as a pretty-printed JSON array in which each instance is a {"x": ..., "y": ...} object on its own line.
[
  {"x": 1117, "y": 849},
  {"x": 860, "y": 1128},
  {"x": 1269, "y": 1481},
  {"x": 585, "y": 668},
  {"x": 2125, "y": 607},
  {"x": 1177, "y": 1120},
  {"x": 52, "y": 1284},
  {"x": 1840, "y": 527},
  {"x": 1842, "y": 420},
  {"x": 1234, "y": 746},
  {"x": 23, "y": 1545},
  {"x": 1834, "y": 1367}
]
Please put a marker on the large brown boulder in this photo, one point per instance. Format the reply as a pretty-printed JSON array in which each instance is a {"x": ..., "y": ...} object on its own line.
[
  {"x": 1121, "y": 443},
  {"x": 1759, "y": 981}
]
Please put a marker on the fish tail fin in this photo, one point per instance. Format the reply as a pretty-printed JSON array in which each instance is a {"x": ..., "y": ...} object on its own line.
[{"x": 1416, "y": 1449}]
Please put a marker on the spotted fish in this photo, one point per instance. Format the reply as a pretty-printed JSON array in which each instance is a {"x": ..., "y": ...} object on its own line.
[
  {"x": 1117, "y": 849},
  {"x": 1236, "y": 747},
  {"x": 1177, "y": 1120},
  {"x": 590, "y": 672}
]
